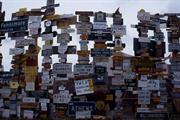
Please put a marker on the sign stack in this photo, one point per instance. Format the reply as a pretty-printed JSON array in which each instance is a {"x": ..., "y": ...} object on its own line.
[
  {"x": 149, "y": 66},
  {"x": 63, "y": 71},
  {"x": 84, "y": 26},
  {"x": 174, "y": 47}
]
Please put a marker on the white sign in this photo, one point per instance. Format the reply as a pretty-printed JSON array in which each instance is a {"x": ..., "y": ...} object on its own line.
[
  {"x": 63, "y": 97},
  {"x": 118, "y": 79},
  {"x": 142, "y": 83},
  {"x": 84, "y": 87},
  {"x": 63, "y": 37},
  {"x": 34, "y": 25},
  {"x": 29, "y": 100},
  {"x": 68, "y": 30},
  {"x": 30, "y": 86},
  {"x": 46, "y": 37},
  {"x": 28, "y": 114},
  {"x": 33, "y": 31},
  {"x": 6, "y": 113},
  {"x": 118, "y": 30},
  {"x": 100, "y": 25},
  {"x": 44, "y": 100},
  {"x": 144, "y": 39},
  {"x": 62, "y": 68},
  {"x": 83, "y": 114},
  {"x": 24, "y": 42},
  {"x": 144, "y": 16},
  {"x": 16, "y": 51},
  {"x": 82, "y": 69},
  {"x": 153, "y": 85},
  {"x": 83, "y": 28},
  {"x": 44, "y": 106},
  {"x": 66, "y": 16},
  {"x": 34, "y": 19},
  {"x": 62, "y": 48},
  {"x": 144, "y": 97}
]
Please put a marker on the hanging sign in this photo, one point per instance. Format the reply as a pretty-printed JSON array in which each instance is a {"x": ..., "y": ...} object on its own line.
[{"x": 24, "y": 42}]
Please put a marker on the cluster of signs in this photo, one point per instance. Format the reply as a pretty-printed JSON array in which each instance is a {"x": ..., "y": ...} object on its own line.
[{"x": 87, "y": 89}]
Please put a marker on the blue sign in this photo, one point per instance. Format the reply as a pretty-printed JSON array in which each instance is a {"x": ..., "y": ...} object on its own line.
[{"x": 81, "y": 106}]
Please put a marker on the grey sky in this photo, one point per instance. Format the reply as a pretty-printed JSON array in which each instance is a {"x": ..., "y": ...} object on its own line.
[{"x": 128, "y": 8}]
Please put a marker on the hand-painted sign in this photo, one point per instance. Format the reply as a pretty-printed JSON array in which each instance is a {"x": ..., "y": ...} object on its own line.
[{"x": 14, "y": 26}]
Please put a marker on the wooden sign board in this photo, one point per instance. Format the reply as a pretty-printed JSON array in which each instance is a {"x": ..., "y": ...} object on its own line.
[{"x": 14, "y": 26}]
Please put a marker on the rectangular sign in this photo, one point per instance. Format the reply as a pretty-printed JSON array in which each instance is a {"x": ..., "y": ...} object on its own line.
[
  {"x": 64, "y": 37},
  {"x": 80, "y": 107},
  {"x": 144, "y": 97},
  {"x": 62, "y": 68},
  {"x": 14, "y": 26},
  {"x": 173, "y": 46},
  {"x": 118, "y": 79},
  {"x": 16, "y": 51},
  {"x": 118, "y": 30},
  {"x": 46, "y": 37},
  {"x": 84, "y": 86},
  {"x": 152, "y": 115},
  {"x": 83, "y": 114},
  {"x": 100, "y": 36},
  {"x": 83, "y": 69},
  {"x": 24, "y": 42},
  {"x": 62, "y": 97},
  {"x": 28, "y": 100},
  {"x": 101, "y": 52},
  {"x": 100, "y": 25},
  {"x": 83, "y": 27}
]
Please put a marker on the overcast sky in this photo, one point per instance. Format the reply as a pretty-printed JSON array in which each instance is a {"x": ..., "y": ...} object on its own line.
[{"x": 128, "y": 8}]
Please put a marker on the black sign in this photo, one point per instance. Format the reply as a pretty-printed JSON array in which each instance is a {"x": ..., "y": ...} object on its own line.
[
  {"x": 101, "y": 52},
  {"x": 81, "y": 106},
  {"x": 14, "y": 26},
  {"x": 100, "y": 36},
  {"x": 100, "y": 70},
  {"x": 70, "y": 50},
  {"x": 18, "y": 34}
]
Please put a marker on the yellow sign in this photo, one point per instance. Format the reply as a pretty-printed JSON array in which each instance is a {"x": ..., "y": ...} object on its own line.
[
  {"x": 51, "y": 17},
  {"x": 83, "y": 53},
  {"x": 14, "y": 85},
  {"x": 109, "y": 97},
  {"x": 100, "y": 105}
]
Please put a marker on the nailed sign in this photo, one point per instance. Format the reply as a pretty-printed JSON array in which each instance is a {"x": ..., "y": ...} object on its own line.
[
  {"x": 101, "y": 52},
  {"x": 62, "y": 68},
  {"x": 63, "y": 97},
  {"x": 100, "y": 36},
  {"x": 144, "y": 97},
  {"x": 14, "y": 26},
  {"x": 81, "y": 106},
  {"x": 83, "y": 69},
  {"x": 84, "y": 86}
]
